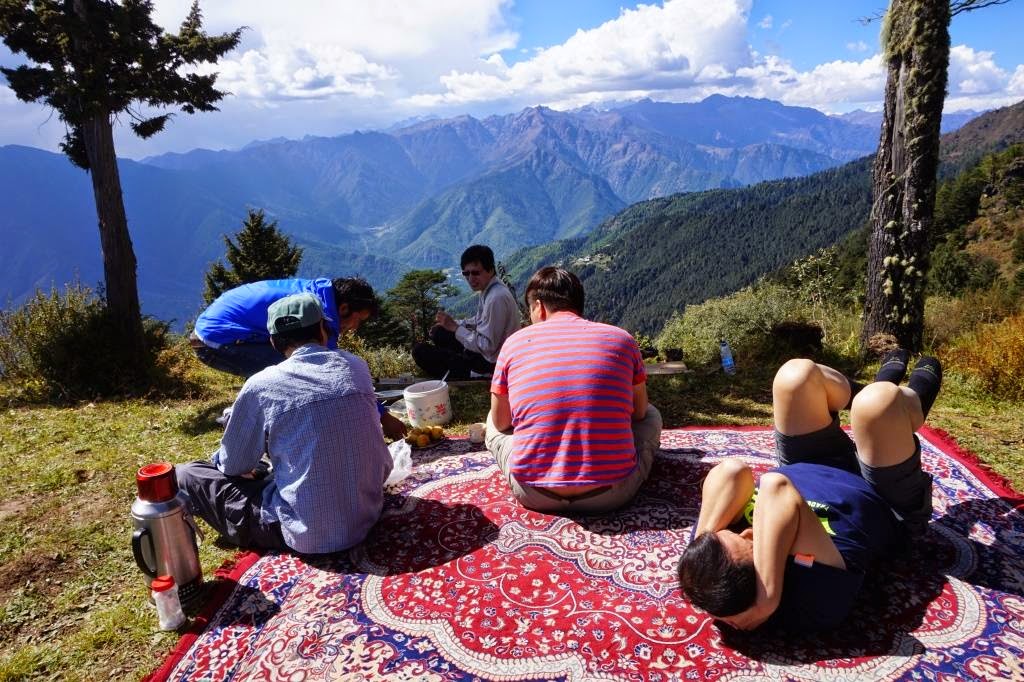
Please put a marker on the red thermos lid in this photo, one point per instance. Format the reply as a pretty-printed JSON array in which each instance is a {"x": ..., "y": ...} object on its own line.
[
  {"x": 162, "y": 583},
  {"x": 157, "y": 482}
]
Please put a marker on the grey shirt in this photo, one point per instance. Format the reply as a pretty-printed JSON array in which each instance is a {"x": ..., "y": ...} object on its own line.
[{"x": 496, "y": 319}]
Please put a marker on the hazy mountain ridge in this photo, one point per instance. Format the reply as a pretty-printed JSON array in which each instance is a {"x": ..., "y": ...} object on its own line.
[
  {"x": 380, "y": 202},
  {"x": 657, "y": 256}
]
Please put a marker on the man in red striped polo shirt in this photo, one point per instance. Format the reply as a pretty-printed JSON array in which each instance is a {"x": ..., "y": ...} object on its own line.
[{"x": 570, "y": 426}]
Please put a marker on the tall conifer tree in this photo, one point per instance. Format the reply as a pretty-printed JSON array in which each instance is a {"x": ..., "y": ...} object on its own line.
[
  {"x": 94, "y": 61},
  {"x": 261, "y": 252}
]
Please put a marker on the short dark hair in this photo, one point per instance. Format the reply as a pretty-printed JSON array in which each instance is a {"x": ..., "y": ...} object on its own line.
[
  {"x": 357, "y": 293},
  {"x": 478, "y": 253},
  {"x": 557, "y": 289},
  {"x": 296, "y": 337},
  {"x": 711, "y": 579}
]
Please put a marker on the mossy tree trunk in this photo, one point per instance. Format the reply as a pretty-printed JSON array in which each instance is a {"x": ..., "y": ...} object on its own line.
[
  {"x": 119, "y": 265},
  {"x": 915, "y": 45}
]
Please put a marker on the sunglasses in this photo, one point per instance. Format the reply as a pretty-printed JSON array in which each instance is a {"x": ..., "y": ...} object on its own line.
[{"x": 472, "y": 273}]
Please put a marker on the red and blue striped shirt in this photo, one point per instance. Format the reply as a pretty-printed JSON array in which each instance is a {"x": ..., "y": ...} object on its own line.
[{"x": 570, "y": 384}]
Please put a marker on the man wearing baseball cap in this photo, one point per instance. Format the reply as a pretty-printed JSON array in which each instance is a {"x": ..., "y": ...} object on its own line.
[{"x": 315, "y": 417}]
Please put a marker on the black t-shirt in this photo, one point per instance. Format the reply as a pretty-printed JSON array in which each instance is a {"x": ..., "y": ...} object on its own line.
[{"x": 861, "y": 526}]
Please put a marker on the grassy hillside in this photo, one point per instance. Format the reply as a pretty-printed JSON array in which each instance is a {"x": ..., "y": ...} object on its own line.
[{"x": 73, "y": 606}]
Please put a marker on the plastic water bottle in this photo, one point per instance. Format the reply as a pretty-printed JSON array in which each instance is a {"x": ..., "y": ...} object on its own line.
[
  {"x": 168, "y": 605},
  {"x": 727, "y": 362}
]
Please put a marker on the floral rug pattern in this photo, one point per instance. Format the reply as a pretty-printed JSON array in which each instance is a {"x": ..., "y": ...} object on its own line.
[{"x": 457, "y": 582}]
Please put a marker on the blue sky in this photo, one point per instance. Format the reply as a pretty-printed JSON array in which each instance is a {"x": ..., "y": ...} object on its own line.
[{"x": 322, "y": 67}]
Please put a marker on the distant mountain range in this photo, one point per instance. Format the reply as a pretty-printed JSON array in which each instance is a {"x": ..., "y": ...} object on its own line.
[
  {"x": 657, "y": 256},
  {"x": 377, "y": 203}
]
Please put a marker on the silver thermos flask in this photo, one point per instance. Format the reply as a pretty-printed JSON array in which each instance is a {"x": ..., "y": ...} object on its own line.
[{"x": 164, "y": 541}]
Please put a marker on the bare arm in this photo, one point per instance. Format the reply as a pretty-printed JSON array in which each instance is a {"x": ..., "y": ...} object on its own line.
[
  {"x": 501, "y": 412},
  {"x": 726, "y": 490},
  {"x": 639, "y": 401},
  {"x": 393, "y": 427},
  {"x": 783, "y": 525}
]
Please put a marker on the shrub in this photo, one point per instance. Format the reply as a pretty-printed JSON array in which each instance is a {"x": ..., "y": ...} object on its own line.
[
  {"x": 745, "y": 319},
  {"x": 994, "y": 355},
  {"x": 1017, "y": 246},
  {"x": 64, "y": 345},
  {"x": 945, "y": 319},
  {"x": 384, "y": 361}
]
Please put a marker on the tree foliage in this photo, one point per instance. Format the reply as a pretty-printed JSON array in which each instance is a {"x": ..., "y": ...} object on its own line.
[
  {"x": 416, "y": 299},
  {"x": 100, "y": 57},
  {"x": 57, "y": 347},
  {"x": 261, "y": 252},
  {"x": 93, "y": 61}
]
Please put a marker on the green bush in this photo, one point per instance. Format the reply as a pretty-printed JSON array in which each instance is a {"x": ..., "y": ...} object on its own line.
[
  {"x": 1017, "y": 246},
  {"x": 384, "y": 361},
  {"x": 993, "y": 354},
  {"x": 945, "y": 319},
  {"x": 745, "y": 319},
  {"x": 64, "y": 345}
]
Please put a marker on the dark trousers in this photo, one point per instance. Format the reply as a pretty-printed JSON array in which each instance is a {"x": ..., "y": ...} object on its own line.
[
  {"x": 232, "y": 505},
  {"x": 240, "y": 359},
  {"x": 444, "y": 353}
]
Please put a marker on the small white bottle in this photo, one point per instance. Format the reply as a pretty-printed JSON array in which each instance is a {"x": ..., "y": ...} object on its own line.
[{"x": 168, "y": 605}]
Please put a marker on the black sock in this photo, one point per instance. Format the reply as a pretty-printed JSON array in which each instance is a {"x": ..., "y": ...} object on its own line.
[
  {"x": 894, "y": 366},
  {"x": 925, "y": 381},
  {"x": 855, "y": 388}
]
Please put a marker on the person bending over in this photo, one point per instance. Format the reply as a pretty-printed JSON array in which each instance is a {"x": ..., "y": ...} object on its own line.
[
  {"x": 827, "y": 513},
  {"x": 231, "y": 334},
  {"x": 314, "y": 415},
  {"x": 462, "y": 347},
  {"x": 570, "y": 426}
]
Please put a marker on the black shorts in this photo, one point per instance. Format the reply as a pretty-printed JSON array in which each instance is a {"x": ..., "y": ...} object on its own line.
[{"x": 904, "y": 486}]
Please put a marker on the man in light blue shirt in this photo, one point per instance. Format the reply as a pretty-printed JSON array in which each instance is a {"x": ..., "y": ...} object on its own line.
[{"x": 315, "y": 416}]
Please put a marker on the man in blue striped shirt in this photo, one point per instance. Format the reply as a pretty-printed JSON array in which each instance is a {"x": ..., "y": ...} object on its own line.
[{"x": 315, "y": 416}]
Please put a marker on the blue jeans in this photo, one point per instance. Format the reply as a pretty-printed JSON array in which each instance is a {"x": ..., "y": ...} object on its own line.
[{"x": 240, "y": 359}]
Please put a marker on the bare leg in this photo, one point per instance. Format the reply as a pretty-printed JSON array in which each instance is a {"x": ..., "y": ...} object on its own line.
[
  {"x": 726, "y": 490},
  {"x": 884, "y": 418},
  {"x": 804, "y": 396}
]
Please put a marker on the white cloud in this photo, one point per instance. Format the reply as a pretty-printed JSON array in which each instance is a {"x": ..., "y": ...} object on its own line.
[
  {"x": 327, "y": 68},
  {"x": 684, "y": 43},
  {"x": 838, "y": 84},
  {"x": 309, "y": 71},
  {"x": 974, "y": 72},
  {"x": 1016, "y": 86},
  {"x": 359, "y": 48}
]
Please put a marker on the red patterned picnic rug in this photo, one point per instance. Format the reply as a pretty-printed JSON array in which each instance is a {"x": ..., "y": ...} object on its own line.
[{"x": 460, "y": 583}]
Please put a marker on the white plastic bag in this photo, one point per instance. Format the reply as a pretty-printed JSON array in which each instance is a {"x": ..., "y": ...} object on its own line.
[{"x": 401, "y": 455}]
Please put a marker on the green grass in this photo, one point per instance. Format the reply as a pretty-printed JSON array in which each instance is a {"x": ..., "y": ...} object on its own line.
[{"x": 73, "y": 606}]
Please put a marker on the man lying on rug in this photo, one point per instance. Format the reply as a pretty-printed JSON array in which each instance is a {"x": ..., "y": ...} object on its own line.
[
  {"x": 574, "y": 392},
  {"x": 315, "y": 415},
  {"x": 827, "y": 512}
]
